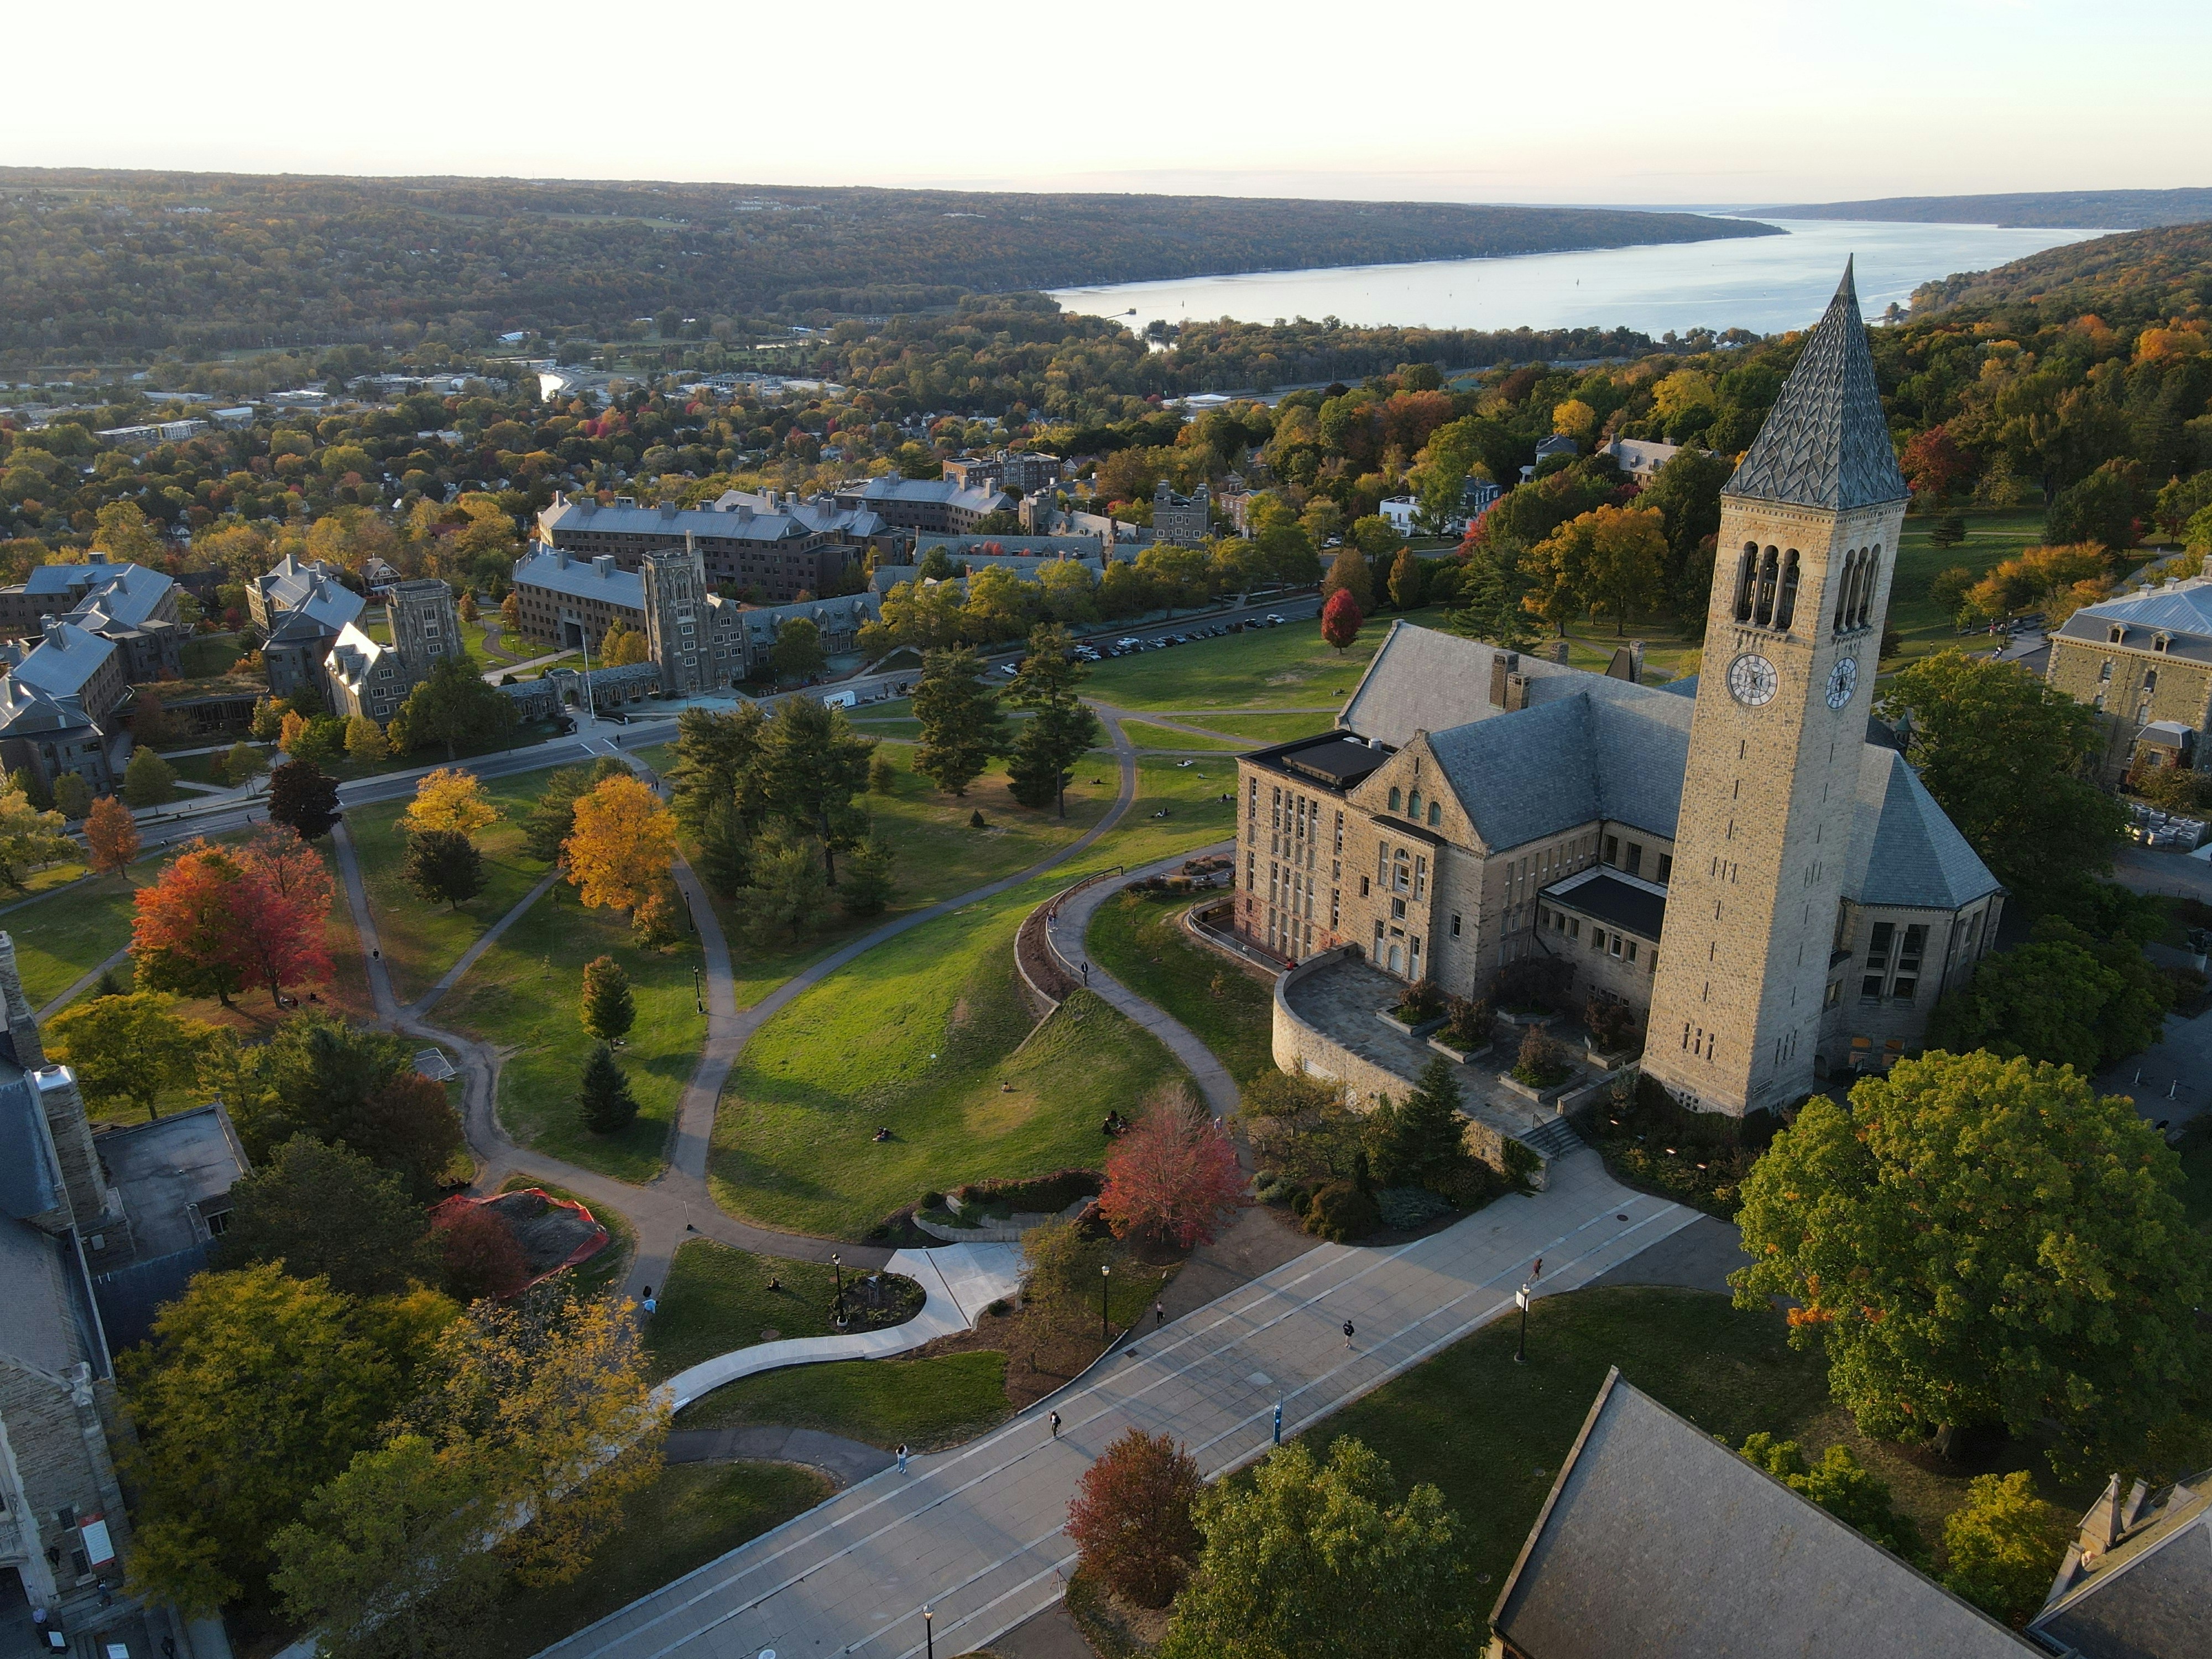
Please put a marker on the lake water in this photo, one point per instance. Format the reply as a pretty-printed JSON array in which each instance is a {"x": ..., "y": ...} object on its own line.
[{"x": 1764, "y": 283}]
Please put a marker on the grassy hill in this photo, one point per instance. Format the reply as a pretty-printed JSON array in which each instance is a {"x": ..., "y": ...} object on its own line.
[{"x": 2100, "y": 209}]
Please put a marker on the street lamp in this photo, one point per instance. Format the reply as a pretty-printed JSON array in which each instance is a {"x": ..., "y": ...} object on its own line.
[
  {"x": 1105, "y": 1276},
  {"x": 929, "y": 1633},
  {"x": 1520, "y": 1296},
  {"x": 837, "y": 1266}
]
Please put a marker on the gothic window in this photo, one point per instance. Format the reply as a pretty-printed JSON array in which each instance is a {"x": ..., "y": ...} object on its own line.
[
  {"x": 1394, "y": 800},
  {"x": 1666, "y": 867},
  {"x": 1866, "y": 588},
  {"x": 1746, "y": 569},
  {"x": 1843, "y": 589},
  {"x": 1786, "y": 606},
  {"x": 1762, "y": 608},
  {"x": 1635, "y": 864}
]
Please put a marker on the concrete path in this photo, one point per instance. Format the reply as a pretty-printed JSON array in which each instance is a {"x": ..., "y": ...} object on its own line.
[
  {"x": 85, "y": 982},
  {"x": 844, "y": 1461},
  {"x": 974, "y": 1533},
  {"x": 958, "y": 1281}
]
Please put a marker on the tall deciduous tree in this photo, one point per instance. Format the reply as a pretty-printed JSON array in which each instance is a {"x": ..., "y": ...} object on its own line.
[
  {"x": 1312, "y": 1560},
  {"x": 451, "y": 707},
  {"x": 450, "y": 799},
  {"x": 608, "y": 1009},
  {"x": 1348, "y": 573},
  {"x": 73, "y": 797},
  {"x": 2004, "y": 1545},
  {"x": 623, "y": 845},
  {"x": 1174, "y": 1175},
  {"x": 444, "y": 866},
  {"x": 320, "y": 1210},
  {"x": 111, "y": 835},
  {"x": 148, "y": 780},
  {"x": 623, "y": 644},
  {"x": 2066, "y": 997},
  {"x": 1407, "y": 587},
  {"x": 551, "y": 820},
  {"x": 1132, "y": 1519},
  {"x": 1977, "y": 1241},
  {"x": 813, "y": 764},
  {"x": 305, "y": 797},
  {"x": 962, "y": 727},
  {"x": 1340, "y": 618},
  {"x": 1060, "y": 728},
  {"x": 365, "y": 740},
  {"x": 129, "y": 1049},
  {"x": 183, "y": 926},
  {"x": 797, "y": 653}
]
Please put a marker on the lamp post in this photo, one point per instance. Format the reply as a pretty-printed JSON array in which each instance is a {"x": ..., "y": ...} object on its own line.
[
  {"x": 929, "y": 1633},
  {"x": 837, "y": 1266},
  {"x": 1520, "y": 1353},
  {"x": 1105, "y": 1278}
]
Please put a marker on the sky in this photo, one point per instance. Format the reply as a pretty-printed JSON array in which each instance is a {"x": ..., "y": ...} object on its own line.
[{"x": 1706, "y": 102}]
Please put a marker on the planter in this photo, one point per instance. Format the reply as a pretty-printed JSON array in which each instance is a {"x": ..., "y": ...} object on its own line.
[
  {"x": 1524, "y": 1020},
  {"x": 1396, "y": 1024},
  {"x": 1462, "y": 1055},
  {"x": 1599, "y": 1060},
  {"x": 1544, "y": 1096}
]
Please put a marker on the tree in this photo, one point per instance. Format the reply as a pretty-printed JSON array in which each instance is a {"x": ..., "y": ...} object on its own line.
[
  {"x": 1686, "y": 491},
  {"x": 450, "y": 799},
  {"x": 1420, "y": 1140},
  {"x": 869, "y": 881},
  {"x": 183, "y": 926},
  {"x": 365, "y": 740},
  {"x": 311, "y": 736},
  {"x": 128, "y": 1049},
  {"x": 2003, "y": 1544},
  {"x": 348, "y": 1085},
  {"x": 72, "y": 796},
  {"x": 1935, "y": 466},
  {"x": 1340, "y": 619},
  {"x": 623, "y": 845},
  {"x": 1977, "y": 728},
  {"x": 1405, "y": 583},
  {"x": 1061, "y": 1262},
  {"x": 285, "y": 894},
  {"x": 1312, "y": 1561},
  {"x": 1611, "y": 558},
  {"x": 1174, "y": 1175},
  {"x": 603, "y": 1095},
  {"x": 2101, "y": 507},
  {"x": 811, "y": 765},
  {"x": 325, "y": 1211},
  {"x": 479, "y": 1252},
  {"x": 2066, "y": 997},
  {"x": 962, "y": 727},
  {"x": 716, "y": 757},
  {"x": 1979, "y": 1240},
  {"x": 111, "y": 835},
  {"x": 268, "y": 725},
  {"x": 554, "y": 817},
  {"x": 1132, "y": 1518},
  {"x": 1843, "y": 1486},
  {"x": 443, "y": 866},
  {"x": 623, "y": 644},
  {"x": 453, "y": 706},
  {"x": 240, "y": 762},
  {"x": 387, "y": 1560},
  {"x": 248, "y": 1358},
  {"x": 652, "y": 924},
  {"x": 1348, "y": 573},
  {"x": 788, "y": 893},
  {"x": 797, "y": 653},
  {"x": 148, "y": 780},
  {"x": 26, "y": 782},
  {"x": 124, "y": 535},
  {"x": 608, "y": 1009},
  {"x": 1060, "y": 729},
  {"x": 304, "y": 798}
]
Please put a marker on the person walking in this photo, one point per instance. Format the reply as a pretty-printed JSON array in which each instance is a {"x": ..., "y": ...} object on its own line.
[
  {"x": 1159, "y": 1314},
  {"x": 1054, "y": 1420},
  {"x": 1347, "y": 1336},
  {"x": 901, "y": 1454},
  {"x": 646, "y": 1301}
]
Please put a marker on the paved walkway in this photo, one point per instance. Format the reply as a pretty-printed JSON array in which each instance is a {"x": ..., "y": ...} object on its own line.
[{"x": 974, "y": 1533}]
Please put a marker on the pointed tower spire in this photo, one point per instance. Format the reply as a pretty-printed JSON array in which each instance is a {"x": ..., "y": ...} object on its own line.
[{"x": 1825, "y": 443}]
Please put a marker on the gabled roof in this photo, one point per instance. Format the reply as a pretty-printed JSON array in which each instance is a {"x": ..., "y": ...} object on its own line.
[
  {"x": 127, "y": 599},
  {"x": 1567, "y": 761},
  {"x": 354, "y": 654},
  {"x": 582, "y": 579},
  {"x": 1659, "y": 1542},
  {"x": 64, "y": 659},
  {"x": 1904, "y": 851},
  {"x": 2182, "y": 609},
  {"x": 2147, "y": 1590},
  {"x": 27, "y": 710},
  {"x": 1826, "y": 442}
]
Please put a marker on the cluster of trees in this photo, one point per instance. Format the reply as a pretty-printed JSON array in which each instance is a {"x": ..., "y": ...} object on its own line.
[{"x": 963, "y": 727}]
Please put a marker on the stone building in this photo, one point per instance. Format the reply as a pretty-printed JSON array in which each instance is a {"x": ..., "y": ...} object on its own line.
[
  {"x": 779, "y": 554},
  {"x": 2145, "y": 662},
  {"x": 571, "y": 602},
  {"x": 1027, "y": 471},
  {"x": 364, "y": 675},
  {"x": 1181, "y": 520},
  {"x": 56, "y": 590},
  {"x": 1477, "y": 807},
  {"x": 694, "y": 638},
  {"x": 301, "y": 609},
  {"x": 944, "y": 504}
]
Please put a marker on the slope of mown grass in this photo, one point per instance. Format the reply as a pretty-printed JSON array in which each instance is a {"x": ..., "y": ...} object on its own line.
[
  {"x": 928, "y": 1403},
  {"x": 1138, "y": 938},
  {"x": 717, "y": 1299},
  {"x": 1285, "y": 667}
]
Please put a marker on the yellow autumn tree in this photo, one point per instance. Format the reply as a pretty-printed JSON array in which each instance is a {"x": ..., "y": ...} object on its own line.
[
  {"x": 622, "y": 645},
  {"x": 449, "y": 798},
  {"x": 622, "y": 846},
  {"x": 1613, "y": 559},
  {"x": 1575, "y": 419}
]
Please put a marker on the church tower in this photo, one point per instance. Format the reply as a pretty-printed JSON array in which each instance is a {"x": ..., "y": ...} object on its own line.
[{"x": 1808, "y": 545}]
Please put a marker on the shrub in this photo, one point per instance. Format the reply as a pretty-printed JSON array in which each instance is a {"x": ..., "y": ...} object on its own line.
[
  {"x": 1406, "y": 1207},
  {"x": 1422, "y": 1003},
  {"x": 481, "y": 1255},
  {"x": 1468, "y": 1024},
  {"x": 1534, "y": 985},
  {"x": 1047, "y": 1193},
  {"x": 1611, "y": 1025},
  {"x": 1341, "y": 1213},
  {"x": 1542, "y": 1062},
  {"x": 2003, "y": 1544},
  {"x": 1521, "y": 1163}
]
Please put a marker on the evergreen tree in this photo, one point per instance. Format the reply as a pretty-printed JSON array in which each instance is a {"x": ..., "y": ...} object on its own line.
[
  {"x": 444, "y": 866},
  {"x": 789, "y": 894},
  {"x": 868, "y": 883},
  {"x": 604, "y": 1096},
  {"x": 726, "y": 850},
  {"x": 1421, "y": 1140},
  {"x": 1405, "y": 583},
  {"x": 716, "y": 758},
  {"x": 1060, "y": 730},
  {"x": 453, "y": 707},
  {"x": 811, "y": 765},
  {"x": 148, "y": 781},
  {"x": 962, "y": 727},
  {"x": 608, "y": 1009},
  {"x": 304, "y": 796}
]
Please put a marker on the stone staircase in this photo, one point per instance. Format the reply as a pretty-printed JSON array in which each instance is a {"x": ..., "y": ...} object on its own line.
[{"x": 1553, "y": 1138}]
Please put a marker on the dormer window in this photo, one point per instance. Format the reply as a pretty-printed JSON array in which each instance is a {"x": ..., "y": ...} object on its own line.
[
  {"x": 2161, "y": 641},
  {"x": 2116, "y": 633}
]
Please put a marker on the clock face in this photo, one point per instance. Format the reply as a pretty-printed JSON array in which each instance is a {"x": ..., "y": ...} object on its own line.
[
  {"x": 1751, "y": 680},
  {"x": 1842, "y": 680}
]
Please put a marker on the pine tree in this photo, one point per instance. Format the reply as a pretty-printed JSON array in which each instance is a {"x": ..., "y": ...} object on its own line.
[
  {"x": 444, "y": 866},
  {"x": 1421, "y": 1140},
  {"x": 608, "y": 1009},
  {"x": 788, "y": 893},
  {"x": 604, "y": 1096},
  {"x": 1060, "y": 729},
  {"x": 960, "y": 725},
  {"x": 725, "y": 862},
  {"x": 868, "y": 883}
]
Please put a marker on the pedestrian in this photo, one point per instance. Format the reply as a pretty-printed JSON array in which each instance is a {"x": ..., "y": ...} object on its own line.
[
  {"x": 1347, "y": 1335},
  {"x": 646, "y": 1301},
  {"x": 902, "y": 1456},
  {"x": 1054, "y": 1420},
  {"x": 1159, "y": 1314}
]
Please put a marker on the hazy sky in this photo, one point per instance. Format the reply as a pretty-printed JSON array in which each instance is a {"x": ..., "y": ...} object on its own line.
[{"x": 1699, "y": 101}]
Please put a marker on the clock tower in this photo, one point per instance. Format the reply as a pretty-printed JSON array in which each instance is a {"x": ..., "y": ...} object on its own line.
[{"x": 1808, "y": 545}]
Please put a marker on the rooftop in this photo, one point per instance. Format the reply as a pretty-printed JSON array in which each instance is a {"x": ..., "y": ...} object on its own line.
[
  {"x": 1635, "y": 906},
  {"x": 2139, "y": 1580},
  {"x": 64, "y": 659},
  {"x": 168, "y": 1170}
]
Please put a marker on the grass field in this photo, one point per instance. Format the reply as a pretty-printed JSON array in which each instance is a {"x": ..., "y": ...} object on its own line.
[
  {"x": 688, "y": 1516},
  {"x": 1285, "y": 667},
  {"x": 1921, "y": 625},
  {"x": 1145, "y": 735},
  {"x": 1491, "y": 1434},
  {"x": 927, "y": 1403},
  {"x": 420, "y": 941},
  {"x": 717, "y": 1298},
  {"x": 1139, "y": 939},
  {"x": 204, "y": 656},
  {"x": 1190, "y": 793},
  {"x": 521, "y": 995},
  {"x": 1256, "y": 730},
  {"x": 918, "y": 1036},
  {"x": 62, "y": 937}
]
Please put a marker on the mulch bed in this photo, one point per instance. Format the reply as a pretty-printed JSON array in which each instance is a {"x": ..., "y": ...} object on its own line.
[{"x": 550, "y": 1233}]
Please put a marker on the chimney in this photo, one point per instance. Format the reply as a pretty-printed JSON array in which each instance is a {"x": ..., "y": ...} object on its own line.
[
  {"x": 560, "y": 554},
  {"x": 52, "y": 628},
  {"x": 1636, "y": 656},
  {"x": 95, "y": 557},
  {"x": 603, "y": 565},
  {"x": 1504, "y": 666},
  {"x": 2101, "y": 1528}
]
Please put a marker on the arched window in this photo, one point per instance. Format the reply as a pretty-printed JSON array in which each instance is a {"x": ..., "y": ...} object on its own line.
[
  {"x": 1762, "y": 608},
  {"x": 1436, "y": 812},
  {"x": 1394, "y": 800},
  {"x": 1785, "y": 603},
  {"x": 1413, "y": 806},
  {"x": 1867, "y": 577},
  {"x": 1747, "y": 568},
  {"x": 1843, "y": 590}
]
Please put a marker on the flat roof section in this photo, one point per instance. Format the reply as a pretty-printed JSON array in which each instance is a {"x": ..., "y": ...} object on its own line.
[
  {"x": 1338, "y": 761},
  {"x": 1623, "y": 901}
]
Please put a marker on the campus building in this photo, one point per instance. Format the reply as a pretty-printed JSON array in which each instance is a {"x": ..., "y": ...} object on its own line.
[
  {"x": 301, "y": 608},
  {"x": 1478, "y": 806},
  {"x": 779, "y": 554},
  {"x": 364, "y": 675},
  {"x": 944, "y": 504},
  {"x": 1181, "y": 520},
  {"x": 2145, "y": 662}
]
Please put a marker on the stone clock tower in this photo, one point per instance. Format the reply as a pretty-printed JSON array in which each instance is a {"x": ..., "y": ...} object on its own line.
[{"x": 1808, "y": 543}]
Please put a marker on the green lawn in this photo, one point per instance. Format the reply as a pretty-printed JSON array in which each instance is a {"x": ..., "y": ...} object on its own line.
[
  {"x": 917, "y": 1036},
  {"x": 61, "y": 938},
  {"x": 1921, "y": 624},
  {"x": 717, "y": 1299},
  {"x": 927, "y": 1403},
  {"x": 420, "y": 941},
  {"x": 521, "y": 996},
  {"x": 1258, "y": 729},
  {"x": 692, "y": 1514},
  {"x": 1145, "y": 735},
  {"x": 1260, "y": 668},
  {"x": 1138, "y": 938},
  {"x": 205, "y": 656},
  {"x": 1190, "y": 792},
  {"x": 208, "y": 768},
  {"x": 1493, "y": 1434}
]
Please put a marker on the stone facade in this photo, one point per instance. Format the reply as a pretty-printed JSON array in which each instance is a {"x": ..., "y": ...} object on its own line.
[
  {"x": 2141, "y": 661},
  {"x": 362, "y": 676},
  {"x": 697, "y": 640},
  {"x": 1184, "y": 520}
]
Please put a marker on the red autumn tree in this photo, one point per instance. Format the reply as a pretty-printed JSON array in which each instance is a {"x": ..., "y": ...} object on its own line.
[
  {"x": 288, "y": 894},
  {"x": 1131, "y": 1519},
  {"x": 110, "y": 834},
  {"x": 183, "y": 929},
  {"x": 1340, "y": 618},
  {"x": 1935, "y": 466},
  {"x": 481, "y": 1258},
  {"x": 1173, "y": 1177}
]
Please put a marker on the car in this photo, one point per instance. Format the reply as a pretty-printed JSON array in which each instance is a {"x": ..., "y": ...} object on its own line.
[
  {"x": 1010, "y": 669},
  {"x": 1126, "y": 642},
  {"x": 1274, "y": 621}
]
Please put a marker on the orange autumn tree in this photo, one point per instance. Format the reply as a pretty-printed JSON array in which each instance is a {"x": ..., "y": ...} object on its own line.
[
  {"x": 110, "y": 834},
  {"x": 622, "y": 846},
  {"x": 216, "y": 918},
  {"x": 1174, "y": 1175}
]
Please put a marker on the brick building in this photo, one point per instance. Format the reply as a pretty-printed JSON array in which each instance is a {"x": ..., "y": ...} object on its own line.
[{"x": 780, "y": 554}]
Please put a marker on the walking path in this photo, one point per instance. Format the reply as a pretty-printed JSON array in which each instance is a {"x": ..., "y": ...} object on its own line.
[
  {"x": 975, "y": 1534},
  {"x": 84, "y": 983}
]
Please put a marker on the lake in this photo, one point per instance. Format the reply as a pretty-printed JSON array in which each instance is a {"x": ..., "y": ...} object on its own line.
[{"x": 1764, "y": 283}]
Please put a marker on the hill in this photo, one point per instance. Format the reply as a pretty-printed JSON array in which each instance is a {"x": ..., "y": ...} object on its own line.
[
  {"x": 2139, "y": 276},
  {"x": 2073, "y": 209},
  {"x": 93, "y": 261}
]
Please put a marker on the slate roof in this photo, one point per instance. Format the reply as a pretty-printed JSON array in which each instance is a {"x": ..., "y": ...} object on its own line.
[
  {"x": 129, "y": 596},
  {"x": 670, "y": 524},
  {"x": 2149, "y": 1593},
  {"x": 581, "y": 578},
  {"x": 29, "y": 1183},
  {"x": 1904, "y": 850},
  {"x": 2183, "y": 609},
  {"x": 48, "y": 1328},
  {"x": 1567, "y": 761},
  {"x": 63, "y": 659},
  {"x": 1658, "y": 1542},
  {"x": 1825, "y": 443},
  {"x": 27, "y": 709}
]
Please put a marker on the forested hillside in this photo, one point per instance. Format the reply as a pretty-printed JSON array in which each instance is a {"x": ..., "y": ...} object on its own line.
[
  {"x": 2142, "y": 275},
  {"x": 95, "y": 261},
  {"x": 2076, "y": 209}
]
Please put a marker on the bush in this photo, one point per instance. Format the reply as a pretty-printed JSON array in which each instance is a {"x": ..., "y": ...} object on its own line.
[
  {"x": 1404, "y": 1208},
  {"x": 1341, "y": 1213},
  {"x": 1542, "y": 1062},
  {"x": 1652, "y": 1141},
  {"x": 1044, "y": 1193},
  {"x": 1469, "y": 1023},
  {"x": 1521, "y": 1163},
  {"x": 1611, "y": 1025},
  {"x": 1422, "y": 1003}
]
